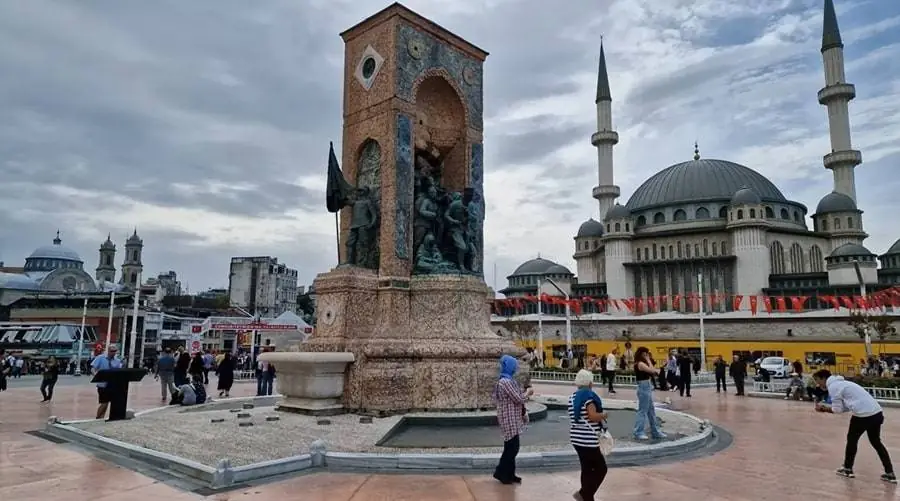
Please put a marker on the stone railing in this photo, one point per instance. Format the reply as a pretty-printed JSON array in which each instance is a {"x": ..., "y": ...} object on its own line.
[
  {"x": 540, "y": 376},
  {"x": 890, "y": 394}
]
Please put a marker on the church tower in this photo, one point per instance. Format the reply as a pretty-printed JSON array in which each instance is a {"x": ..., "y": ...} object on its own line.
[
  {"x": 132, "y": 266},
  {"x": 606, "y": 192},
  {"x": 106, "y": 267},
  {"x": 836, "y": 96}
]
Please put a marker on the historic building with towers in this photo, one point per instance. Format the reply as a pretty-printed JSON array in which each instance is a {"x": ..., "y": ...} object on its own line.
[
  {"x": 57, "y": 269},
  {"x": 722, "y": 224}
]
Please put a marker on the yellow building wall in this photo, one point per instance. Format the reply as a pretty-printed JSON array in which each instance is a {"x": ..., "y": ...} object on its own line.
[{"x": 846, "y": 355}]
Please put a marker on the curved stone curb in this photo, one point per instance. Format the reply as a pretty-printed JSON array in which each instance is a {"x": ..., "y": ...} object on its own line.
[
  {"x": 224, "y": 475},
  {"x": 780, "y": 396},
  {"x": 553, "y": 382}
]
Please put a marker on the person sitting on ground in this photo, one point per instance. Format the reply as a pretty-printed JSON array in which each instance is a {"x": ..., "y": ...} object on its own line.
[
  {"x": 190, "y": 394},
  {"x": 795, "y": 388}
]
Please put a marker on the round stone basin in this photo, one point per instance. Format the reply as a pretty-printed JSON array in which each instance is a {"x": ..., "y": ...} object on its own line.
[{"x": 552, "y": 430}]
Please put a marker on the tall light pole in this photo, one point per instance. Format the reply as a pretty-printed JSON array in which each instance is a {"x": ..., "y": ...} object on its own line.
[
  {"x": 109, "y": 321},
  {"x": 540, "y": 323},
  {"x": 862, "y": 293},
  {"x": 702, "y": 332},
  {"x": 568, "y": 312},
  {"x": 134, "y": 316},
  {"x": 81, "y": 338}
]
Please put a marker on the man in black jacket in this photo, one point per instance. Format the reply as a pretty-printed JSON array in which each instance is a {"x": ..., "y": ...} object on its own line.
[
  {"x": 685, "y": 366},
  {"x": 721, "y": 368},
  {"x": 738, "y": 373}
]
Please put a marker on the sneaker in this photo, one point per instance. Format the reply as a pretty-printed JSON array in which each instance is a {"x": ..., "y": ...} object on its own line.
[
  {"x": 660, "y": 436},
  {"x": 787, "y": 398},
  {"x": 845, "y": 472},
  {"x": 577, "y": 496},
  {"x": 889, "y": 478},
  {"x": 641, "y": 437}
]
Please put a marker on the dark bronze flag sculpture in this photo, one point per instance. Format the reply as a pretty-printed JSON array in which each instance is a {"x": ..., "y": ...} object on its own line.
[{"x": 337, "y": 192}]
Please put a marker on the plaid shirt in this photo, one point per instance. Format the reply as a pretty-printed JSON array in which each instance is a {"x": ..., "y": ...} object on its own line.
[{"x": 510, "y": 402}]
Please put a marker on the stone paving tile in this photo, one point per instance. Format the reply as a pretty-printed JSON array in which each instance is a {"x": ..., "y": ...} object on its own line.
[{"x": 782, "y": 450}]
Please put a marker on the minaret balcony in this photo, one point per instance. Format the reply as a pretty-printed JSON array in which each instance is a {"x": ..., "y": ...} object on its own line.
[
  {"x": 600, "y": 192},
  {"x": 842, "y": 91},
  {"x": 605, "y": 137},
  {"x": 842, "y": 158}
]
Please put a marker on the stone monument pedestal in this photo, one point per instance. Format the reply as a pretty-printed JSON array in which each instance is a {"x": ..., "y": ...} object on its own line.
[{"x": 420, "y": 344}]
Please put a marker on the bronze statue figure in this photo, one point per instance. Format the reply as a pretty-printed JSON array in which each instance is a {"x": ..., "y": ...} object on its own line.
[
  {"x": 362, "y": 229},
  {"x": 455, "y": 218}
]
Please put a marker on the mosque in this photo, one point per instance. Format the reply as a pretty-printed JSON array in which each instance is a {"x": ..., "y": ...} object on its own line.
[
  {"x": 59, "y": 269},
  {"x": 721, "y": 224}
]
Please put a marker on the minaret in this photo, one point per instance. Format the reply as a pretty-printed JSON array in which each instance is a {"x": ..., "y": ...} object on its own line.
[
  {"x": 604, "y": 139},
  {"x": 132, "y": 266},
  {"x": 106, "y": 267},
  {"x": 836, "y": 95}
]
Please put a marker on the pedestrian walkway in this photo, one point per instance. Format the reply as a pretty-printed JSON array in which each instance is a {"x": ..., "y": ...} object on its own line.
[{"x": 782, "y": 450}]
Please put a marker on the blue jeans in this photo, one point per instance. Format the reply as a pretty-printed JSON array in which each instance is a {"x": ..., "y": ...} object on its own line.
[
  {"x": 646, "y": 411},
  {"x": 263, "y": 385}
]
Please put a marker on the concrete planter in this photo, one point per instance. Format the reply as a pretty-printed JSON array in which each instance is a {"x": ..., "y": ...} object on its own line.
[{"x": 310, "y": 382}]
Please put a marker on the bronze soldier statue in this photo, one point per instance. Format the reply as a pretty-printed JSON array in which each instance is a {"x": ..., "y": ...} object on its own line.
[{"x": 362, "y": 226}]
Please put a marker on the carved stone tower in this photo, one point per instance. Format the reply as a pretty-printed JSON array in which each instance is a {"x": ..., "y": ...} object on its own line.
[
  {"x": 606, "y": 192},
  {"x": 132, "y": 266},
  {"x": 106, "y": 267},
  {"x": 412, "y": 118},
  {"x": 836, "y": 96}
]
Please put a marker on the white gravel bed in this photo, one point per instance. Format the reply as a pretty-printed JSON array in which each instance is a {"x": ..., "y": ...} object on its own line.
[{"x": 192, "y": 435}]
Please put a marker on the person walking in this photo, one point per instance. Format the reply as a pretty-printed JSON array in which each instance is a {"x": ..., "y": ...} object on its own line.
[
  {"x": 643, "y": 371},
  {"x": 182, "y": 363},
  {"x": 685, "y": 366},
  {"x": 225, "y": 373},
  {"x": 49, "y": 378},
  {"x": 867, "y": 417},
  {"x": 165, "y": 374},
  {"x": 586, "y": 422},
  {"x": 672, "y": 370},
  {"x": 720, "y": 368},
  {"x": 208, "y": 361},
  {"x": 738, "y": 371},
  {"x": 609, "y": 372},
  {"x": 100, "y": 363},
  {"x": 512, "y": 416},
  {"x": 195, "y": 367}
]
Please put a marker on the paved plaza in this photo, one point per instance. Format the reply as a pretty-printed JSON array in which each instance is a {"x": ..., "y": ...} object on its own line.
[{"x": 781, "y": 450}]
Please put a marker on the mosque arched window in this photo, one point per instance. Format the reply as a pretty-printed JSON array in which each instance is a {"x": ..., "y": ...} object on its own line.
[
  {"x": 618, "y": 227},
  {"x": 849, "y": 223},
  {"x": 770, "y": 214},
  {"x": 715, "y": 249},
  {"x": 671, "y": 252},
  {"x": 824, "y": 224},
  {"x": 752, "y": 213},
  {"x": 662, "y": 251},
  {"x": 701, "y": 213},
  {"x": 626, "y": 227},
  {"x": 837, "y": 223},
  {"x": 607, "y": 227},
  {"x": 723, "y": 248},
  {"x": 659, "y": 218},
  {"x": 723, "y": 212},
  {"x": 678, "y": 246},
  {"x": 740, "y": 213},
  {"x": 797, "y": 264},
  {"x": 776, "y": 253},
  {"x": 641, "y": 221},
  {"x": 680, "y": 215},
  {"x": 784, "y": 214},
  {"x": 815, "y": 259},
  {"x": 687, "y": 251},
  {"x": 705, "y": 248},
  {"x": 796, "y": 216}
]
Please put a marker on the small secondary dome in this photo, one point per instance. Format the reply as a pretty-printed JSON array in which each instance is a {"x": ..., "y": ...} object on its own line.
[
  {"x": 540, "y": 266},
  {"x": 18, "y": 282},
  {"x": 836, "y": 202},
  {"x": 590, "y": 228},
  {"x": 701, "y": 180},
  {"x": 618, "y": 211},
  {"x": 55, "y": 251},
  {"x": 895, "y": 249},
  {"x": 745, "y": 196},
  {"x": 851, "y": 250}
]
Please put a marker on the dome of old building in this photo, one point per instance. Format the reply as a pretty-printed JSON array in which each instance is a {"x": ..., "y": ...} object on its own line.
[
  {"x": 836, "y": 202},
  {"x": 590, "y": 228},
  {"x": 618, "y": 211},
  {"x": 745, "y": 196},
  {"x": 540, "y": 266}
]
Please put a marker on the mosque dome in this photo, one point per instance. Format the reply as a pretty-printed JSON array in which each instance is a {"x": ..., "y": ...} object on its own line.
[
  {"x": 836, "y": 202},
  {"x": 745, "y": 196},
  {"x": 52, "y": 257},
  {"x": 701, "y": 180},
  {"x": 540, "y": 266},
  {"x": 590, "y": 228},
  {"x": 851, "y": 250},
  {"x": 895, "y": 249},
  {"x": 618, "y": 211}
]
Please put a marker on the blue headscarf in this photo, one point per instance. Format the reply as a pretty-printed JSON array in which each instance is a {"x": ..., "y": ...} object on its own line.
[
  {"x": 508, "y": 366},
  {"x": 583, "y": 396}
]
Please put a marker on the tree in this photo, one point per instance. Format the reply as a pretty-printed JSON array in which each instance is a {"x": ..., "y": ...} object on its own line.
[
  {"x": 305, "y": 304},
  {"x": 519, "y": 330},
  {"x": 860, "y": 323},
  {"x": 881, "y": 324}
]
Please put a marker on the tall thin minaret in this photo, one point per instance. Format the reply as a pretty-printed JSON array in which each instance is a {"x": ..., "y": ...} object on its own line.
[
  {"x": 606, "y": 192},
  {"x": 836, "y": 95}
]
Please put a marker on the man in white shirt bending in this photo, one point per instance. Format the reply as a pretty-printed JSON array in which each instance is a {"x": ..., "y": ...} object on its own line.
[{"x": 867, "y": 417}]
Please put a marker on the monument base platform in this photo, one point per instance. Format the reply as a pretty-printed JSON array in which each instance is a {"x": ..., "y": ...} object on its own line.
[{"x": 420, "y": 344}]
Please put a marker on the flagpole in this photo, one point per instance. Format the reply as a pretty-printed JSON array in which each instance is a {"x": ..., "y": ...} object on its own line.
[{"x": 337, "y": 235}]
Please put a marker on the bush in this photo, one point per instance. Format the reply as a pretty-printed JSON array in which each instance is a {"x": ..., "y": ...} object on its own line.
[{"x": 876, "y": 382}]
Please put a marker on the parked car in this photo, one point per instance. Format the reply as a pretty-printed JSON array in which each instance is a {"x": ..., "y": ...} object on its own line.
[{"x": 778, "y": 367}]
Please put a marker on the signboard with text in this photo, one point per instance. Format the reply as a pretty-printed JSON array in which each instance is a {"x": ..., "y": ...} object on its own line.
[{"x": 255, "y": 327}]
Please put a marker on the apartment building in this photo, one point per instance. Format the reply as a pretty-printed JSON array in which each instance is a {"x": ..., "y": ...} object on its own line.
[{"x": 262, "y": 285}]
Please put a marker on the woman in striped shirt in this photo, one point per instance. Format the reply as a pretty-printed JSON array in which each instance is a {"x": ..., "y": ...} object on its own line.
[
  {"x": 512, "y": 417},
  {"x": 586, "y": 422}
]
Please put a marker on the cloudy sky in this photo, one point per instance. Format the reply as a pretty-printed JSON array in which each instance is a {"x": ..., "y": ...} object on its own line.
[{"x": 205, "y": 124}]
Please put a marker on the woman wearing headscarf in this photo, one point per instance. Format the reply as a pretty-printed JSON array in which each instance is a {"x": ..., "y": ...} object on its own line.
[
  {"x": 586, "y": 423},
  {"x": 511, "y": 416},
  {"x": 225, "y": 371},
  {"x": 196, "y": 367},
  {"x": 643, "y": 371},
  {"x": 182, "y": 363}
]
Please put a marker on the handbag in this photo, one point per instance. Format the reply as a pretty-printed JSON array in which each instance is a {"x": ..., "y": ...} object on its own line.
[{"x": 607, "y": 442}]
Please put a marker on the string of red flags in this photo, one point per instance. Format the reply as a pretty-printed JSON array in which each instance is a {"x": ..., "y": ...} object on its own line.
[{"x": 691, "y": 303}]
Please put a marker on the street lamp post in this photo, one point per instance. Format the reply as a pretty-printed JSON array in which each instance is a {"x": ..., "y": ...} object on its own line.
[
  {"x": 702, "y": 331},
  {"x": 81, "y": 338},
  {"x": 867, "y": 338},
  {"x": 109, "y": 321},
  {"x": 134, "y": 315}
]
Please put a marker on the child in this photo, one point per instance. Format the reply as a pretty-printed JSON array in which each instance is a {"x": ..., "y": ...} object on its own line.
[{"x": 795, "y": 388}]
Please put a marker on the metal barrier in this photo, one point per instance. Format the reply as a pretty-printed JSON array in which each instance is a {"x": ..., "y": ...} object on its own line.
[
  {"x": 621, "y": 379},
  {"x": 781, "y": 387},
  {"x": 244, "y": 375}
]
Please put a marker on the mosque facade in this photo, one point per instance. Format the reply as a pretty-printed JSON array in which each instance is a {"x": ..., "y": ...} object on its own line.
[
  {"x": 58, "y": 269},
  {"x": 721, "y": 225}
]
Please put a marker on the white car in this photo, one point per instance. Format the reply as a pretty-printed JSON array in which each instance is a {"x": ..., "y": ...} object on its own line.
[{"x": 778, "y": 367}]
